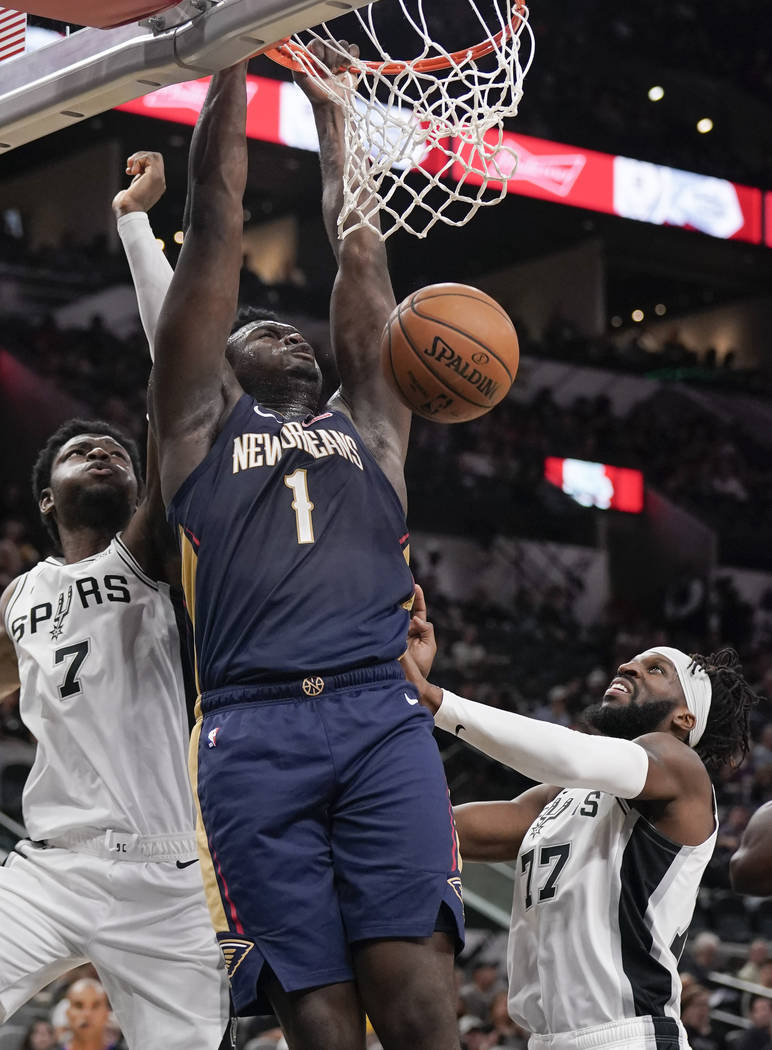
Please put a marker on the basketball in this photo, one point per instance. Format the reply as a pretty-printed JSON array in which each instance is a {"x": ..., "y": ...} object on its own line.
[{"x": 451, "y": 351}]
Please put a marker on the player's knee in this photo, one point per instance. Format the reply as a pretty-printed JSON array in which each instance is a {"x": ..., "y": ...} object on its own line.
[
  {"x": 326, "y": 1018},
  {"x": 421, "y": 1015}
]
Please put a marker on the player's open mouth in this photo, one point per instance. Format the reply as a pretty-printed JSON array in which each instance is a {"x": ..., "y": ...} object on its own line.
[{"x": 619, "y": 686}]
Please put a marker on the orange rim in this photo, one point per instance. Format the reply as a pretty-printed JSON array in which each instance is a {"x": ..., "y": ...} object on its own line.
[{"x": 285, "y": 51}]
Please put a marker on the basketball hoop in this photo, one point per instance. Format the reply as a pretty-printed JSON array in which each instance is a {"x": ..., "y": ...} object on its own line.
[{"x": 423, "y": 135}]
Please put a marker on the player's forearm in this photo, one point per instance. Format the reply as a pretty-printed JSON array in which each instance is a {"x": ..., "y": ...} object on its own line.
[
  {"x": 329, "y": 127},
  {"x": 150, "y": 269},
  {"x": 547, "y": 753},
  {"x": 217, "y": 170},
  {"x": 363, "y": 247}
]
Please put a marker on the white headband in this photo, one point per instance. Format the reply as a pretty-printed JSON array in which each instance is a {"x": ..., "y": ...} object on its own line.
[{"x": 695, "y": 683}]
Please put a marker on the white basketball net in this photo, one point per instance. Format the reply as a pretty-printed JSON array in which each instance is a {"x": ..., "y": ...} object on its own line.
[{"x": 424, "y": 147}]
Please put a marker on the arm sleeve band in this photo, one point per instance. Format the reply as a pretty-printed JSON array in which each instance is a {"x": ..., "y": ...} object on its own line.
[
  {"x": 150, "y": 269},
  {"x": 547, "y": 753}
]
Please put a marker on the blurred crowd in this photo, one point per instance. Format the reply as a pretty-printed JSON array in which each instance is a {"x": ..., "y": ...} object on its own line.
[
  {"x": 74, "y": 1013},
  {"x": 711, "y": 467}
]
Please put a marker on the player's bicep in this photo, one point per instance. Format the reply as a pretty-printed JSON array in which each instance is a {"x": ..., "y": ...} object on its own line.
[
  {"x": 494, "y": 831},
  {"x": 361, "y": 304},
  {"x": 9, "y": 664},
  {"x": 191, "y": 338},
  {"x": 674, "y": 771},
  {"x": 148, "y": 535}
]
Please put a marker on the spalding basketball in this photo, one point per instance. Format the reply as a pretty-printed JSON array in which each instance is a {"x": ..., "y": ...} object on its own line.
[{"x": 451, "y": 351}]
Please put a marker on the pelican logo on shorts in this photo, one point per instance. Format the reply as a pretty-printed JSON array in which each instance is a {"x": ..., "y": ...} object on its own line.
[
  {"x": 313, "y": 686},
  {"x": 455, "y": 885},
  {"x": 212, "y": 736},
  {"x": 234, "y": 952}
]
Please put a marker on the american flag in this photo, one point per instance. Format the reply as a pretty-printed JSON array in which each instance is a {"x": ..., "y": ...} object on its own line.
[{"x": 13, "y": 28}]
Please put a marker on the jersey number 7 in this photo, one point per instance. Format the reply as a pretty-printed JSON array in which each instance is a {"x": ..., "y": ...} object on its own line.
[{"x": 76, "y": 653}]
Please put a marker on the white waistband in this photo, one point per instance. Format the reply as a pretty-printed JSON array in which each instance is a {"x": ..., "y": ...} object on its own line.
[
  {"x": 123, "y": 845},
  {"x": 635, "y": 1033}
]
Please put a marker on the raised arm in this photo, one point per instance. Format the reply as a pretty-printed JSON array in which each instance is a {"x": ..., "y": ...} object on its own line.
[
  {"x": 147, "y": 535},
  {"x": 362, "y": 300},
  {"x": 192, "y": 386},
  {"x": 150, "y": 269},
  {"x": 656, "y": 767}
]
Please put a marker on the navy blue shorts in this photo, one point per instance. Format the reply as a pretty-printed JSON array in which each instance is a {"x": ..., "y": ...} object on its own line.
[{"x": 327, "y": 821}]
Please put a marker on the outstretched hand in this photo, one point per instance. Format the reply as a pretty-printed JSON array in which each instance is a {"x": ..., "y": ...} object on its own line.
[
  {"x": 330, "y": 59},
  {"x": 147, "y": 185},
  {"x": 421, "y": 643},
  {"x": 419, "y": 656}
]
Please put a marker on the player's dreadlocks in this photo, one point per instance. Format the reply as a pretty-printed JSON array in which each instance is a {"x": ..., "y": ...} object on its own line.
[{"x": 727, "y": 735}]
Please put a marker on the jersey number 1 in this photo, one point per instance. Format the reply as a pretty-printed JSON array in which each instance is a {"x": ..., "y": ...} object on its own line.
[{"x": 301, "y": 504}]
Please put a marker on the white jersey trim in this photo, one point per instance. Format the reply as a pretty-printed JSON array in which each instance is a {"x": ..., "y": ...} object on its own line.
[{"x": 126, "y": 556}]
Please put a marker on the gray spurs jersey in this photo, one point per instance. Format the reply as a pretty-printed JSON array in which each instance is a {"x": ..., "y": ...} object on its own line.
[
  {"x": 102, "y": 692},
  {"x": 602, "y": 904}
]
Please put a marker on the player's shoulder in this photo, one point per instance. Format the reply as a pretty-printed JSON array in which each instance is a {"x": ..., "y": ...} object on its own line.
[
  {"x": 8, "y": 593},
  {"x": 681, "y": 759}
]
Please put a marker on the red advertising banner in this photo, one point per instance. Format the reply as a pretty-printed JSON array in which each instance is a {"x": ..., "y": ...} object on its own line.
[
  {"x": 538, "y": 168},
  {"x": 182, "y": 103},
  {"x": 633, "y": 189},
  {"x": 597, "y": 484}
]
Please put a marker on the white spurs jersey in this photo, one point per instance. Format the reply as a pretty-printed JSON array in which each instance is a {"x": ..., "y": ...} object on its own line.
[
  {"x": 601, "y": 908},
  {"x": 102, "y": 692}
]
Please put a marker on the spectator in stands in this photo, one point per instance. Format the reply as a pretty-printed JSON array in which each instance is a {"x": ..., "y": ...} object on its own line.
[
  {"x": 39, "y": 1036},
  {"x": 702, "y": 958},
  {"x": 756, "y": 1037},
  {"x": 11, "y": 562},
  {"x": 762, "y": 752},
  {"x": 555, "y": 709},
  {"x": 88, "y": 1015},
  {"x": 486, "y": 983},
  {"x": 508, "y": 1033},
  {"x": 758, "y": 954},
  {"x": 476, "y": 1034},
  {"x": 468, "y": 652},
  {"x": 695, "y": 1015}
]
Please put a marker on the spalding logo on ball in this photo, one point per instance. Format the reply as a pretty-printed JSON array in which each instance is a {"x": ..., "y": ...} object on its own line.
[{"x": 451, "y": 351}]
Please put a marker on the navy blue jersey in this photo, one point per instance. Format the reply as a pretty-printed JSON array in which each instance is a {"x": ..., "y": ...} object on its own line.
[{"x": 294, "y": 551}]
